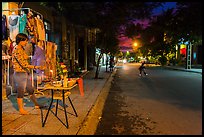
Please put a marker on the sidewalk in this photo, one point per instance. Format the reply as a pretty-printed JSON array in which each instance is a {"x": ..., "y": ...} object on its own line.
[
  {"x": 15, "y": 124},
  {"x": 194, "y": 70}
]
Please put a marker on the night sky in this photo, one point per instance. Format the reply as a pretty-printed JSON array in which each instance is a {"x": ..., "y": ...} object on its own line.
[{"x": 166, "y": 6}]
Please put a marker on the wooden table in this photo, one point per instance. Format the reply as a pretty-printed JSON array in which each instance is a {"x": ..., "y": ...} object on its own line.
[{"x": 62, "y": 96}]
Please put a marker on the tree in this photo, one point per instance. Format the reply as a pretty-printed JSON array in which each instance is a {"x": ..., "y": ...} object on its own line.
[
  {"x": 159, "y": 37},
  {"x": 190, "y": 14},
  {"x": 133, "y": 30},
  {"x": 167, "y": 29}
]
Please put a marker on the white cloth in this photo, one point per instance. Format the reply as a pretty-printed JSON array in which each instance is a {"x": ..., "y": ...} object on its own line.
[{"x": 13, "y": 24}]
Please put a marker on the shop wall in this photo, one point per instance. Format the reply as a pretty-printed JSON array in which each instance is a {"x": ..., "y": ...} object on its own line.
[
  {"x": 67, "y": 44},
  {"x": 57, "y": 37},
  {"x": 77, "y": 45},
  {"x": 81, "y": 53},
  {"x": 85, "y": 50},
  {"x": 64, "y": 41},
  {"x": 72, "y": 45}
]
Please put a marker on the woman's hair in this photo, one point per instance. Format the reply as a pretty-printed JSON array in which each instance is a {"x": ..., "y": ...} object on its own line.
[{"x": 21, "y": 37}]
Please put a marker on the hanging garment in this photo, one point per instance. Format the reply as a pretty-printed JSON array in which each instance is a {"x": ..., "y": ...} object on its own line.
[
  {"x": 31, "y": 26},
  {"x": 50, "y": 54},
  {"x": 4, "y": 28},
  {"x": 13, "y": 21},
  {"x": 38, "y": 59},
  {"x": 40, "y": 29},
  {"x": 11, "y": 47},
  {"x": 22, "y": 24},
  {"x": 49, "y": 50}
]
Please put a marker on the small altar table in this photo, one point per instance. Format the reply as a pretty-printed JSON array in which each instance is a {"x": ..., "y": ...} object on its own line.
[{"x": 64, "y": 93}]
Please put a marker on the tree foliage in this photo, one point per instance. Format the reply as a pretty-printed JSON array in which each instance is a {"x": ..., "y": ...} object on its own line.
[
  {"x": 166, "y": 30},
  {"x": 189, "y": 18}
]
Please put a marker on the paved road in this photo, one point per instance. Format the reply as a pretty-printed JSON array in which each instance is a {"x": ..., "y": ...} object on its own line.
[{"x": 164, "y": 102}]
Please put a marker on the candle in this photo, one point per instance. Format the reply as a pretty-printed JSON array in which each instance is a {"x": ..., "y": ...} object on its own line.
[{"x": 42, "y": 76}]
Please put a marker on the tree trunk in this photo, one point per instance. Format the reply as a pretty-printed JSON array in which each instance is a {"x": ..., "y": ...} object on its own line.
[
  {"x": 97, "y": 66},
  {"x": 106, "y": 63}
]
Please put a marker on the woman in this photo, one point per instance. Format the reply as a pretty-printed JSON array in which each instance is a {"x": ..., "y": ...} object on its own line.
[{"x": 20, "y": 64}]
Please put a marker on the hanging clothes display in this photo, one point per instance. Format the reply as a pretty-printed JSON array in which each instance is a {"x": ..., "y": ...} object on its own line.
[
  {"x": 38, "y": 58},
  {"x": 50, "y": 54},
  {"x": 31, "y": 26},
  {"x": 40, "y": 28},
  {"x": 22, "y": 23},
  {"x": 13, "y": 23},
  {"x": 26, "y": 23},
  {"x": 4, "y": 27}
]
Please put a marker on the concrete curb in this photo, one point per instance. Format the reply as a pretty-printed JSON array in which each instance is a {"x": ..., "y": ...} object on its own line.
[{"x": 93, "y": 117}]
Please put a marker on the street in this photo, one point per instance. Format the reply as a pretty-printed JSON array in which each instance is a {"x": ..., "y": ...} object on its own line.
[{"x": 165, "y": 102}]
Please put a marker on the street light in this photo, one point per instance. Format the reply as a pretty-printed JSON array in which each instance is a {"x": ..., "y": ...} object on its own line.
[{"x": 135, "y": 44}]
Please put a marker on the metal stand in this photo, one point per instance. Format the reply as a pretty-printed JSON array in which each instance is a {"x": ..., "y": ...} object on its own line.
[
  {"x": 8, "y": 85},
  {"x": 188, "y": 59},
  {"x": 37, "y": 90}
]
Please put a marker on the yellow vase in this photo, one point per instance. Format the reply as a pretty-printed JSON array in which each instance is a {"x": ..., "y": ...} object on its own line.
[
  {"x": 61, "y": 77},
  {"x": 65, "y": 81}
]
